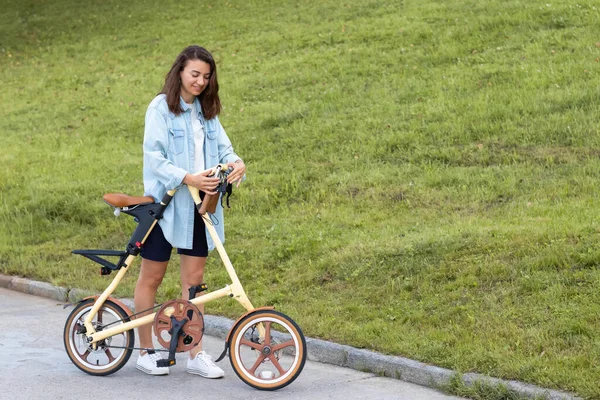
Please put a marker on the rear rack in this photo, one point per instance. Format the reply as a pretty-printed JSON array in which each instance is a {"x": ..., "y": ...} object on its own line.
[{"x": 107, "y": 266}]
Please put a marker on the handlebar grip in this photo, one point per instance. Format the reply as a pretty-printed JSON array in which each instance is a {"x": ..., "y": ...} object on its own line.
[{"x": 213, "y": 170}]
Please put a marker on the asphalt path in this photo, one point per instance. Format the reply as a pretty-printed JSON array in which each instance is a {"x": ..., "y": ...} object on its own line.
[{"x": 34, "y": 364}]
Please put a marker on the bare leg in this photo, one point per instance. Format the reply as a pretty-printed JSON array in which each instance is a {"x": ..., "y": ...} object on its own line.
[
  {"x": 151, "y": 276},
  {"x": 192, "y": 273}
]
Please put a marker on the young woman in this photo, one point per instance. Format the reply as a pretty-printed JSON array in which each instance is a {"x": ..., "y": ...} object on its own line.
[{"x": 182, "y": 136}]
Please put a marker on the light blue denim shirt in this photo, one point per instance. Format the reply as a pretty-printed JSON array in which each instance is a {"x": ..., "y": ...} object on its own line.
[{"x": 169, "y": 155}]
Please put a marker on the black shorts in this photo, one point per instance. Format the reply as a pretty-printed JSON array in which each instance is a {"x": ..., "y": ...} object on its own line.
[{"x": 156, "y": 247}]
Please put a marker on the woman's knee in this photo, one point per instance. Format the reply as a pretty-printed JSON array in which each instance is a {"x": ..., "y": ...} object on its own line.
[
  {"x": 193, "y": 278},
  {"x": 192, "y": 270},
  {"x": 152, "y": 273},
  {"x": 150, "y": 280}
]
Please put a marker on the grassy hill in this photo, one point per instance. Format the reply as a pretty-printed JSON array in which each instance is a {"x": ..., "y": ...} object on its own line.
[{"x": 422, "y": 175}]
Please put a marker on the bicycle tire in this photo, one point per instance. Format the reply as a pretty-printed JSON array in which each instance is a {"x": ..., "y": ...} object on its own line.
[
  {"x": 81, "y": 353},
  {"x": 283, "y": 350}
]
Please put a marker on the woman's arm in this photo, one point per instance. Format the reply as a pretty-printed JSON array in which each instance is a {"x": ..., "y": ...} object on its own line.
[{"x": 156, "y": 142}]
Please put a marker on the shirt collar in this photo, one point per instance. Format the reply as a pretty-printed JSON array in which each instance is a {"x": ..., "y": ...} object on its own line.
[{"x": 185, "y": 106}]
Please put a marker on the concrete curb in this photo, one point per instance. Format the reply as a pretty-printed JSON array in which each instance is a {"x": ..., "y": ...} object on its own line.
[{"x": 325, "y": 352}]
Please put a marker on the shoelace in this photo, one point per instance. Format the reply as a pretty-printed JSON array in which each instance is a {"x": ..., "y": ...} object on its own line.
[
  {"x": 154, "y": 357},
  {"x": 206, "y": 358}
]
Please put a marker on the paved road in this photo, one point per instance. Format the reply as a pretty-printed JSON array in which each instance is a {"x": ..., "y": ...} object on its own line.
[{"x": 33, "y": 364}]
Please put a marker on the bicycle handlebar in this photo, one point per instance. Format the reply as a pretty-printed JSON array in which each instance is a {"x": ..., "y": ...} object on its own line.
[{"x": 220, "y": 170}]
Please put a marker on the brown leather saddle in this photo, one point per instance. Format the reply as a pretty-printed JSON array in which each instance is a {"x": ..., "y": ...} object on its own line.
[{"x": 122, "y": 200}]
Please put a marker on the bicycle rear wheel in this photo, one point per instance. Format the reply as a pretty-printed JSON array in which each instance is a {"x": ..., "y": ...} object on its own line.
[
  {"x": 112, "y": 353},
  {"x": 272, "y": 362}
]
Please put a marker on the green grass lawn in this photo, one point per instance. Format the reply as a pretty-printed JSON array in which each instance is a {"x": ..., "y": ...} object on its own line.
[{"x": 422, "y": 175}]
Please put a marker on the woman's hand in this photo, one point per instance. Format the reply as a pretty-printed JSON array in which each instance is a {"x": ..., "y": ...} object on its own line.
[
  {"x": 202, "y": 181},
  {"x": 239, "y": 169}
]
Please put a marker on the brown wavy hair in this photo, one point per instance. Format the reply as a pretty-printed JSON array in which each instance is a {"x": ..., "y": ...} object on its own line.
[{"x": 209, "y": 98}]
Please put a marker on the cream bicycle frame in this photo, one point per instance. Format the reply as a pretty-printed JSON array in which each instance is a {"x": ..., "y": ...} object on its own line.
[{"x": 234, "y": 290}]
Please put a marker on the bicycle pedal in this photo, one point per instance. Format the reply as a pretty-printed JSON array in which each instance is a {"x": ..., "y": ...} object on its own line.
[
  {"x": 165, "y": 363},
  {"x": 194, "y": 290}
]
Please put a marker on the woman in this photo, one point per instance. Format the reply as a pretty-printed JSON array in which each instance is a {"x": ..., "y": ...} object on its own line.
[{"x": 182, "y": 136}]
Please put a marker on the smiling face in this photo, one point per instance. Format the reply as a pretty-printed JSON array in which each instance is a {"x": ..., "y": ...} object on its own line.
[{"x": 194, "y": 79}]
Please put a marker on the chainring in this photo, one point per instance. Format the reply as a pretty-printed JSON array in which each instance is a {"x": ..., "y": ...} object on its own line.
[{"x": 192, "y": 330}]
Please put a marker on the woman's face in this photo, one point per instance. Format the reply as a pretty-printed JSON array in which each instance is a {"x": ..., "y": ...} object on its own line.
[{"x": 194, "y": 79}]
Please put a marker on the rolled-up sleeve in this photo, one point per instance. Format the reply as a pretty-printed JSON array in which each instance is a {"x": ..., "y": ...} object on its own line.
[{"x": 156, "y": 142}]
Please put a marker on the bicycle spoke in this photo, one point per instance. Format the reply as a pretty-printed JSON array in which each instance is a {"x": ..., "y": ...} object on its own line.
[
  {"x": 283, "y": 345},
  {"x": 85, "y": 355},
  {"x": 111, "y": 358},
  {"x": 259, "y": 361},
  {"x": 267, "y": 333},
  {"x": 255, "y": 346},
  {"x": 276, "y": 364}
]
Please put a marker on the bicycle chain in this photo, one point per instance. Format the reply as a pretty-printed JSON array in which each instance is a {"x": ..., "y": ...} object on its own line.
[
  {"x": 135, "y": 348},
  {"x": 130, "y": 317}
]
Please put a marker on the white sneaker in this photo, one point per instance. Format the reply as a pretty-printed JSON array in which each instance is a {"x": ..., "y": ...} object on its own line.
[
  {"x": 203, "y": 365},
  {"x": 147, "y": 363}
]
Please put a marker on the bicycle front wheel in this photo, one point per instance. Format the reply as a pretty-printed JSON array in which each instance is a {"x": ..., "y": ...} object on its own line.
[
  {"x": 270, "y": 362},
  {"x": 110, "y": 354}
]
